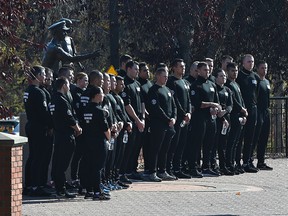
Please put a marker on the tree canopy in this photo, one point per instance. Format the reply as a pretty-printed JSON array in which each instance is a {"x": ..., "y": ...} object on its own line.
[{"x": 150, "y": 30}]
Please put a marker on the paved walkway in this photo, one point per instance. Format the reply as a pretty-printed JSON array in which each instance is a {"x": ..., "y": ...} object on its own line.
[{"x": 263, "y": 193}]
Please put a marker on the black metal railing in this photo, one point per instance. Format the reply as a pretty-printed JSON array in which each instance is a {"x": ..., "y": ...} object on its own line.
[{"x": 278, "y": 142}]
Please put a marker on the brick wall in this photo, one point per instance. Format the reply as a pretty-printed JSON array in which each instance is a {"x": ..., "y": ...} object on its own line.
[{"x": 11, "y": 180}]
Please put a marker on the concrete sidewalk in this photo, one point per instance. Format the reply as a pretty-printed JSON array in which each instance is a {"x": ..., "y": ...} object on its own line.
[{"x": 263, "y": 193}]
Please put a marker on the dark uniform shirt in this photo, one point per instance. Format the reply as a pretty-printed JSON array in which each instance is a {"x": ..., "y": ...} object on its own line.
[
  {"x": 190, "y": 79},
  {"x": 48, "y": 99},
  {"x": 95, "y": 124},
  {"x": 76, "y": 95},
  {"x": 263, "y": 102},
  {"x": 84, "y": 100},
  {"x": 132, "y": 95},
  {"x": 180, "y": 91},
  {"x": 161, "y": 105},
  {"x": 225, "y": 98},
  {"x": 36, "y": 107},
  {"x": 62, "y": 114},
  {"x": 145, "y": 86},
  {"x": 248, "y": 82},
  {"x": 120, "y": 109},
  {"x": 238, "y": 101},
  {"x": 203, "y": 90}
]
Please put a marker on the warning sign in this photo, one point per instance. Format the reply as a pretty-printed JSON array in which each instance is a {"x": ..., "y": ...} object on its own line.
[{"x": 111, "y": 70}]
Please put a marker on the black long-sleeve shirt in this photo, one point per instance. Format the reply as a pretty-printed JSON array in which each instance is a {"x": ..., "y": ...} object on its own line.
[
  {"x": 132, "y": 95},
  {"x": 203, "y": 90},
  {"x": 36, "y": 107},
  {"x": 238, "y": 101},
  {"x": 180, "y": 91},
  {"x": 120, "y": 109},
  {"x": 161, "y": 105},
  {"x": 263, "y": 102},
  {"x": 62, "y": 113},
  {"x": 248, "y": 82},
  {"x": 225, "y": 99}
]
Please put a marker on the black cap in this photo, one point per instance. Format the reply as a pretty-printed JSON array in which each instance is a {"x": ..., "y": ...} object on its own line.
[{"x": 59, "y": 25}]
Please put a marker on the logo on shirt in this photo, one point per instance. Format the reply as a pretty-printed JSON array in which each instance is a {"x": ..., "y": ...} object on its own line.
[
  {"x": 254, "y": 82},
  {"x": 212, "y": 89},
  {"x": 88, "y": 117},
  {"x": 153, "y": 101},
  {"x": 169, "y": 94},
  {"x": 138, "y": 89},
  {"x": 268, "y": 87},
  {"x": 226, "y": 94},
  {"x": 123, "y": 94}
]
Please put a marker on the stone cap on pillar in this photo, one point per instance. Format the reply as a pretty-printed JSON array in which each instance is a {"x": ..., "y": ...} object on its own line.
[{"x": 12, "y": 140}]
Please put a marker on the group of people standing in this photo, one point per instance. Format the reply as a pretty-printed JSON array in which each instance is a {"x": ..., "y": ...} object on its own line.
[{"x": 100, "y": 122}]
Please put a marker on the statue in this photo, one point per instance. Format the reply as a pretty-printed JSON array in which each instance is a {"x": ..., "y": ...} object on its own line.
[{"x": 61, "y": 50}]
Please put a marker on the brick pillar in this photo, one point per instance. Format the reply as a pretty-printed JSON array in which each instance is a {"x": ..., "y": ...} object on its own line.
[{"x": 11, "y": 151}]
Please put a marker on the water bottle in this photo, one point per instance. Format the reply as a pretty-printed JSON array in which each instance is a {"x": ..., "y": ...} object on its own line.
[
  {"x": 213, "y": 116},
  {"x": 125, "y": 137},
  {"x": 111, "y": 144},
  {"x": 224, "y": 129},
  {"x": 182, "y": 124}
]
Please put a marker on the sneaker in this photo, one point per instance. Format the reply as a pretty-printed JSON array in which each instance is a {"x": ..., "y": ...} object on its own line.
[
  {"x": 225, "y": 171},
  {"x": 135, "y": 176},
  {"x": 180, "y": 174},
  {"x": 100, "y": 196},
  {"x": 154, "y": 178},
  {"x": 39, "y": 192},
  {"x": 263, "y": 166},
  {"x": 196, "y": 174},
  {"x": 249, "y": 169},
  {"x": 166, "y": 177},
  {"x": 65, "y": 194},
  {"x": 123, "y": 185},
  {"x": 124, "y": 179},
  {"x": 172, "y": 174},
  {"x": 88, "y": 195},
  {"x": 209, "y": 173}
]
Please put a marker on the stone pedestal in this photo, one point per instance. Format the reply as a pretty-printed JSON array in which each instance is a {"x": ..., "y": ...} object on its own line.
[{"x": 11, "y": 152}]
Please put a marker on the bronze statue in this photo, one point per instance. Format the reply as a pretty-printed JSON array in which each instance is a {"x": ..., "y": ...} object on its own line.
[{"x": 61, "y": 50}]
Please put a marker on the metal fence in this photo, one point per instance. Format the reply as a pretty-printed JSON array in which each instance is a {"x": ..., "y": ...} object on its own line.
[{"x": 278, "y": 142}]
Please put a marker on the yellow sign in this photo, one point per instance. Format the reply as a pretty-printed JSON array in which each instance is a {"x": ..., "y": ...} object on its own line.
[{"x": 111, "y": 70}]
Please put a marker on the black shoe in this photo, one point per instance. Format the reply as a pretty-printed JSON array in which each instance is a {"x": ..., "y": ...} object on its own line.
[
  {"x": 252, "y": 165},
  {"x": 100, "y": 196},
  {"x": 135, "y": 176},
  {"x": 209, "y": 173},
  {"x": 249, "y": 169},
  {"x": 39, "y": 192},
  {"x": 172, "y": 174},
  {"x": 124, "y": 179},
  {"x": 225, "y": 171},
  {"x": 263, "y": 166},
  {"x": 239, "y": 169},
  {"x": 65, "y": 194},
  {"x": 123, "y": 185},
  {"x": 88, "y": 195},
  {"x": 180, "y": 174},
  {"x": 196, "y": 174},
  {"x": 154, "y": 178}
]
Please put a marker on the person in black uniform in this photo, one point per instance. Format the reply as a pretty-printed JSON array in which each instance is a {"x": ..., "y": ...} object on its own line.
[
  {"x": 95, "y": 78},
  {"x": 143, "y": 79},
  {"x": 180, "y": 91},
  {"x": 263, "y": 114},
  {"x": 223, "y": 123},
  {"x": 123, "y": 137},
  {"x": 210, "y": 63},
  {"x": 81, "y": 81},
  {"x": 248, "y": 82},
  {"x": 134, "y": 105},
  {"x": 37, "y": 127},
  {"x": 162, "y": 112},
  {"x": 66, "y": 128},
  {"x": 205, "y": 101},
  {"x": 97, "y": 135},
  {"x": 237, "y": 119}
]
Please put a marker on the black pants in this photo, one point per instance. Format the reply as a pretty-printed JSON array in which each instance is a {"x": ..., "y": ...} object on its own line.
[
  {"x": 47, "y": 149},
  {"x": 161, "y": 136},
  {"x": 36, "y": 164},
  {"x": 220, "y": 144},
  {"x": 132, "y": 149},
  {"x": 204, "y": 135},
  {"x": 178, "y": 143},
  {"x": 248, "y": 134},
  {"x": 146, "y": 144},
  {"x": 233, "y": 140},
  {"x": 261, "y": 134},
  {"x": 78, "y": 154},
  {"x": 64, "y": 146}
]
